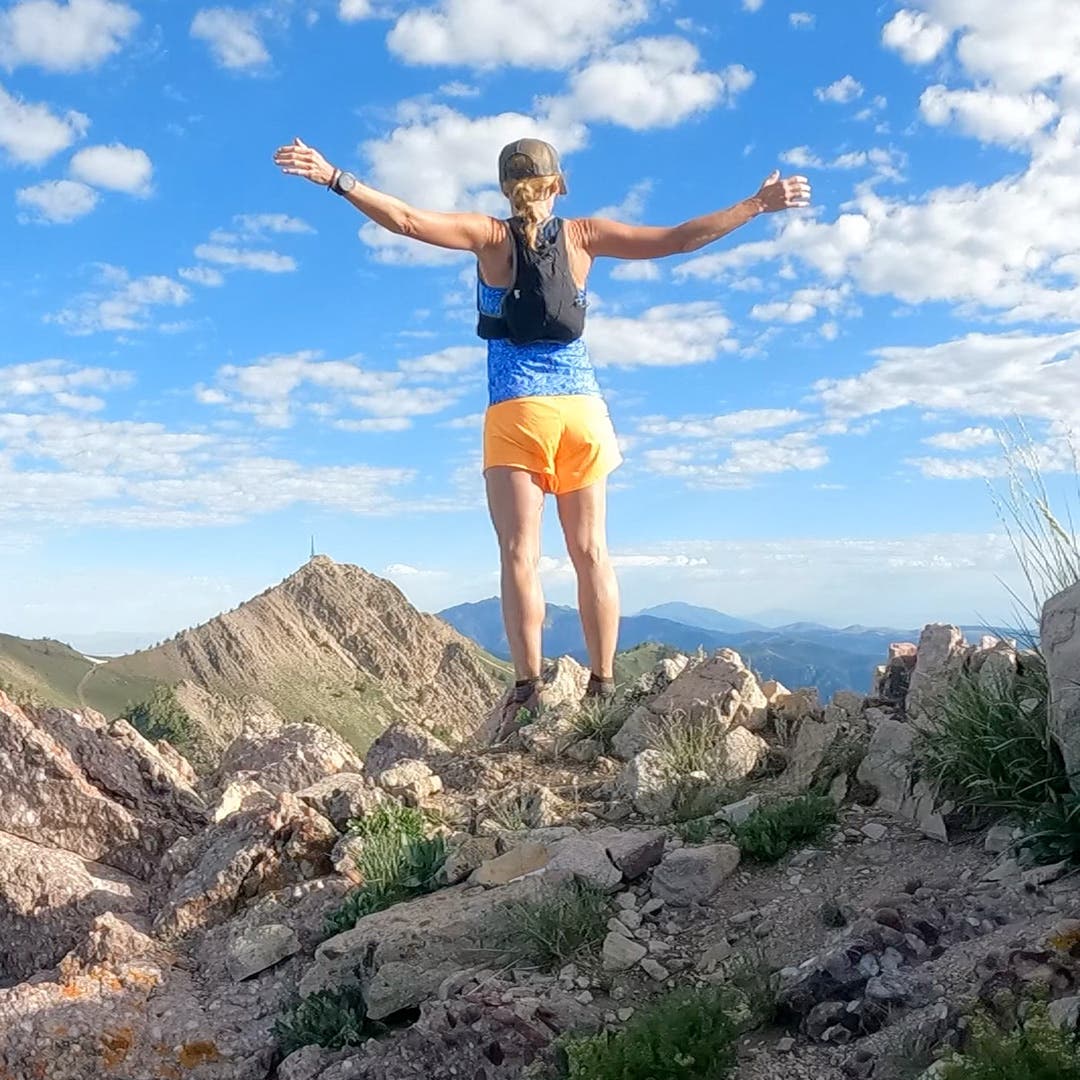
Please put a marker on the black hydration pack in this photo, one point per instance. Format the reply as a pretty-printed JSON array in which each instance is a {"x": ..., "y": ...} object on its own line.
[{"x": 542, "y": 303}]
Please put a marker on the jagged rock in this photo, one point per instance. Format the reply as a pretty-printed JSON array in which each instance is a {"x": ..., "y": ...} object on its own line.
[
  {"x": 1060, "y": 645},
  {"x": 400, "y": 956},
  {"x": 249, "y": 853},
  {"x": 342, "y": 798},
  {"x": 650, "y": 785},
  {"x": 289, "y": 759},
  {"x": 49, "y": 898},
  {"x": 939, "y": 660},
  {"x": 516, "y": 863},
  {"x": 994, "y": 661},
  {"x": 76, "y": 781},
  {"x": 345, "y": 857},
  {"x": 774, "y": 691},
  {"x": 693, "y": 875},
  {"x": 588, "y": 861},
  {"x": 850, "y": 703},
  {"x": 633, "y": 852},
  {"x": 634, "y": 735},
  {"x": 241, "y": 795},
  {"x": 893, "y": 681},
  {"x": 466, "y": 853},
  {"x": 400, "y": 742},
  {"x": 999, "y": 839},
  {"x": 621, "y": 953},
  {"x": 260, "y": 948},
  {"x": 737, "y": 812},
  {"x": 798, "y": 705},
  {"x": 585, "y": 751},
  {"x": 887, "y": 766},
  {"x": 723, "y": 682},
  {"x": 1065, "y": 1013},
  {"x": 562, "y": 684},
  {"x": 412, "y": 782},
  {"x": 743, "y": 751},
  {"x": 811, "y": 745}
]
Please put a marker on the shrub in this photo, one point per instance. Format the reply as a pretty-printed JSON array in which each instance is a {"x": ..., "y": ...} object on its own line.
[
  {"x": 599, "y": 719},
  {"x": 161, "y": 716},
  {"x": 1037, "y": 1051},
  {"x": 769, "y": 833},
  {"x": 1053, "y": 833},
  {"x": 692, "y": 745},
  {"x": 990, "y": 744},
  {"x": 332, "y": 1018},
  {"x": 552, "y": 931},
  {"x": 697, "y": 830},
  {"x": 687, "y": 1035}
]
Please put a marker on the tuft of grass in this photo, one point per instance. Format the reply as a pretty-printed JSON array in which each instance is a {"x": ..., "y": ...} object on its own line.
[
  {"x": 692, "y": 745},
  {"x": 553, "y": 931},
  {"x": 1053, "y": 833},
  {"x": 599, "y": 719},
  {"x": 332, "y": 1018},
  {"x": 1037, "y": 1051},
  {"x": 697, "y": 830},
  {"x": 769, "y": 833},
  {"x": 990, "y": 745},
  {"x": 686, "y": 1035}
]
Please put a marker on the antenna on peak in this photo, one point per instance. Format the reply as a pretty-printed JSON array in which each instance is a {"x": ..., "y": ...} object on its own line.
[{"x": 313, "y": 545}]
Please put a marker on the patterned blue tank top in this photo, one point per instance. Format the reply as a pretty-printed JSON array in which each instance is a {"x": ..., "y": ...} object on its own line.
[{"x": 539, "y": 369}]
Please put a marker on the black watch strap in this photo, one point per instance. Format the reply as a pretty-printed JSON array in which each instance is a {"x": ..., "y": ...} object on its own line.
[{"x": 332, "y": 186}]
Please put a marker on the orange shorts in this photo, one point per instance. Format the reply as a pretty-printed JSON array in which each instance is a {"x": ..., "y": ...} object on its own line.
[{"x": 567, "y": 441}]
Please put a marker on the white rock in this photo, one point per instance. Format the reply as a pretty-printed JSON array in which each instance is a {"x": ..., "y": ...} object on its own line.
[{"x": 620, "y": 953}]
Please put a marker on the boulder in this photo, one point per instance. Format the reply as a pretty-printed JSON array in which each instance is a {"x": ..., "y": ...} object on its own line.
[
  {"x": 412, "y": 782},
  {"x": 893, "y": 680},
  {"x": 811, "y": 745},
  {"x": 465, "y": 854},
  {"x": 1060, "y": 642},
  {"x": 516, "y": 863},
  {"x": 774, "y": 691},
  {"x": 48, "y": 900},
  {"x": 286, "y": 759},
  {"x": 938, "y": 662},
  {"x": 621, "y": 953},
  {"x": 650, "y": 785},
  {"x": 692, "y": 875},
  {"x": 743, "y": 751},
  {"x": 587, "y": 859},
  {"x": 240, "y": 795},
  {"x": 563, "y": 684},
  {"x": 342, "y": 798},
  {"x": 633, "y": 736},
  {"x": 400, "y": 742},
  {"x": 633, "y": 851},
  {"x": 798, "y": 705},
  {"x": 737, "y": 812},
  {"x": 259, "y": 948},
  {"x": 724, "y": 683}
]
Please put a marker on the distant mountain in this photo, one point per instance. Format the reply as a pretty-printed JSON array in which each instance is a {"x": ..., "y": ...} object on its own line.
[{"x": 706, "y": 618}]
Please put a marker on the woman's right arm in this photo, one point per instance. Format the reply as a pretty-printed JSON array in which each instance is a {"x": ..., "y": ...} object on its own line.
[{"x": 460, "y": 232}]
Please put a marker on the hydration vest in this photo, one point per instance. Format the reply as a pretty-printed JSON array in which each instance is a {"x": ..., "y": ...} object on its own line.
[{"x": 542, "y": 303}]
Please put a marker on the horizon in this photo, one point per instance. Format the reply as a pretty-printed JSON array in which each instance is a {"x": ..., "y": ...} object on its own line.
[{"x": 207, "y": 362}]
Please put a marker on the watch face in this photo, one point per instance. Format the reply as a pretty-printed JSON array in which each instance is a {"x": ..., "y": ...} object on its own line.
[{"x": 346, "y": 182}]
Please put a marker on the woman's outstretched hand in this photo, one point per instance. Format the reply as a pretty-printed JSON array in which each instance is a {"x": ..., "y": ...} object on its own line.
[
  {"x": 776, "y": 194},
  {"x": 299, "y": 159}
]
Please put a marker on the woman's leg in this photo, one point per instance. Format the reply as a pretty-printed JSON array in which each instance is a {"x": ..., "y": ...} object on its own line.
[
  {"x": 516, "y": 502},
  {"x": 584, "y": 521}
]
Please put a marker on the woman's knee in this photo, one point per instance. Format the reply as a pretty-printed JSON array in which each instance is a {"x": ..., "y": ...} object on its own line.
[
  {"x": 519, "y": 552},
  {"x": 588, "y": 553}
]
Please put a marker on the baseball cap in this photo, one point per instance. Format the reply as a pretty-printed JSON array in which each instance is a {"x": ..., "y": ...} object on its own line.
[{"x": 530, "y": 157}]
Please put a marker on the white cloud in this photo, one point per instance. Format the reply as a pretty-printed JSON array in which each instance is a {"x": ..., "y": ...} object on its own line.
[
  {"x": 724, "y": 427},
  {"x": 884, "y": 162},
  {"x": 840, "y": 92},
  {"x": 802, "y": 20},
  {"x": 259, "y": 224},
  {"x": 372, "y": 425},
  {"x": 638, "y": 270},
  {"x": 968, "y": 439},
  {"x": 632, "y": 206},
  {"x": 30, "y": 133},
  {"x": 202, "y": 275},
  {"x": 354, "y": 10},
  {"x": 233, "y": 37},
  {"x": 915, "y": 36},
  {"x": 531, "y": 33},
  {"x": 270, "y": 262},
  {"x": 55, "y": 202},
  {"x": 752, "y": 5},
  {"x": 121, "y": 303},
  {"x": 991, "y": 116},
  {"x": 647, "y": 83},
  {"x": 664, "y": 336},
  {"x": 75, "y": 36},
  {"x": 458, "y": 89},
  {"x": 115, "y": 168},
  {"x": 788, "y": 311},
  {"x": 455, "y": 360},
  {"x": 746, "y": 460},
  {"x": 57, "y": 379}
]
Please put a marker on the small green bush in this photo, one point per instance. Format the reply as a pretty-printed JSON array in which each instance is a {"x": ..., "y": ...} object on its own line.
[
  {"x": 599, "y": 719},
  {"x": 1037, "y": 1051},
  {"x": 332, "y": 1018},
  {"x": 161, "y": 716},
  {"x": 552, "y": 931},
  {"x": 692, "y": 745},
  {"x": 1053, "y": 833},
  {"x": 687, "y": 1035},
  {"x": 697, "y": 830},
  {"x": 769, "y": 833}
]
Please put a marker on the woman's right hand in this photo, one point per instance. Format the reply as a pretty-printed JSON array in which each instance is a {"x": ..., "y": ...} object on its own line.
[
  {"x": 299, "y": 159},
  {"x": 790, "y": 193}
]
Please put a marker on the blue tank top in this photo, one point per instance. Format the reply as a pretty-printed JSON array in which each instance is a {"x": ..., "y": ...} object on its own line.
[{"x": 539, "y": 369}]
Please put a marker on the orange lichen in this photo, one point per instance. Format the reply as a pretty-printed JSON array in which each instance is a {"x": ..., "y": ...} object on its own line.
[
  {"x": 115, "y": 1046},
  {"x": 193, "y": 1054}
]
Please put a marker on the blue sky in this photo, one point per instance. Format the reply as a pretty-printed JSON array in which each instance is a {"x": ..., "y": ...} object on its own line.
[{"x": 204, "y": 362}]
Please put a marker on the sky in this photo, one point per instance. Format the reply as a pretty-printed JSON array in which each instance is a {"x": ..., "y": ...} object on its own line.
[{"x": 205, "y": 363}]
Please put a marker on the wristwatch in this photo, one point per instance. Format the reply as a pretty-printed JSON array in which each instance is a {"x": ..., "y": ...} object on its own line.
[{"x": 343, "y": 183}]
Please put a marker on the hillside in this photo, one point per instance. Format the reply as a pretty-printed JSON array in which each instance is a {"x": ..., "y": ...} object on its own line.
[{"x": 706, "y": 618}]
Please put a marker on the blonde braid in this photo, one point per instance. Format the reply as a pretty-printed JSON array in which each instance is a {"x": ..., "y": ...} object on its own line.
[{"x": 526, "y": 198}]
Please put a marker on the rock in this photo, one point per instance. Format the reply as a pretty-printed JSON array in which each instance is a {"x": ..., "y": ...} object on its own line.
[
  {"x": 824, "y": 1016},
  {"x": 585, "y": 751},
  {"x": 874, "y": 830},
  {"x": 620, "y": 953},
  {"x": 48, "y": 900},
  {"x": 654, "y": 969},
  {"x": 518, "y": 862},
  {"x": 260, "y": 948},
  {"x": 588, "y": 861},
  {"x": 1039, "y": 876},
  {"x": 713, "y": 957},
  {"x": 888, "y": 764},
  {"x": 400, "y": 742},
  {"x": 722, "y": 683},
  {"x": 774, "y": 691},
  {"x": 743, "y": 752},
  {"x": 633, "y": 852},
  {"x": 634, "y": 735},
  {"x": 249, "y": 853},
  {"x": 693, "y": 875},
  {"x": 345, "y": 857},
  {"x": 850, "y": 703},
  {"x": 939, "y": 660},
  {"x": 811, "y": 745},
  {"x": 400, "y": 956},
  {"x": 562, "y": 684},
  {"x": 630, "y": 918},
  {"x": 893, "y": 681},
  {"x": 999, "y": 839},
  {"x": 736, "y": 813},
  {"x": 1005, "y": 870},
  {"x": 240, "y": 795},
  {"x": 1060, "y": 646},
  {"x": 286, "y": 759},
  {"x": 412, "y": 782},
  {"x": 1065, "y": 1013},
  {"x": 797, "y": 706},
  {"x": 650, "y": 785},
  {"x": 995, "y": 663},
  {"x": 466, "y": 854},
  {"x": 342, "y": 798}
]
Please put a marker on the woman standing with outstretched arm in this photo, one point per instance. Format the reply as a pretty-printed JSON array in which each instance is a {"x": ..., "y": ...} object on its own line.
[{"x": 546, "y": 429}]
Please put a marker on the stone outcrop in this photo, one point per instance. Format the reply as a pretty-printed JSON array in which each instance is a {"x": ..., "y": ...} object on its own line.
[
  {"x": 723, "y": 686},
  {"x": 1060, "y": 640},
  {"x": 938, "y": 661},
  {"x": 400, "y": 742}
]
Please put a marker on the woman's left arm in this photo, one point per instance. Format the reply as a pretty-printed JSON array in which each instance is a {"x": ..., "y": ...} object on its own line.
[{"x": 460, "y": 232}]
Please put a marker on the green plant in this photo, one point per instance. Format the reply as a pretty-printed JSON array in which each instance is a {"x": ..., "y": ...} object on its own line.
[
  {"x": 1038, "y": 1050},
  {"x": 1053, "y": 833},
  {"x": 687, "y": 1035},
  {"x": 551, "y": 931},
  {"x": 989, "y": 744},
  {"x": 331, "y": 1018},
  {"x": 769, "y": 833},
  {"x": 697, "y": 830},
  {"x": 599, "y": 718},
  {"x": 161, "y": 716},
  {"x": 692, "y": 744}
]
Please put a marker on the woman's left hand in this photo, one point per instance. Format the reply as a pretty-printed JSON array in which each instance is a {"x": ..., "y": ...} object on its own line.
[
  {"x": 299, "y": 159},
  {"x": 789, "y": 194}
]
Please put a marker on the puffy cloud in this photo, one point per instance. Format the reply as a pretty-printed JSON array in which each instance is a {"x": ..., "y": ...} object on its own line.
[
  {"x": 233, "y": 37},
  {"x": 840, "y": 92},
  {"x": 120, "y": 303},
  {"x": 724, "y": 427},
  {"x": 639, "y": 270},
  {"x": 270, "y": 262},
  {"x": 354, "y": 10},
  {"x": 801, "y": 20},
  {"x": 57, "y": 379},
  {"x": 202, "y": 275},
  {"x": 746, "y": 460},
  {"x": 259, "y": 224},
  {"x": 455, "y": 360},
  {"x": 752, "y": 5},
  {"x": 79, "y": 35},
  {"x": 991, "y": 116},
  {"x": 664, "y": 336},
  {"x": 31, "y": 133},
  {"x": 632, "y": 206},
  {"x": 531, "y": 33},
  {"x": 968, "y": 439},
  {"x": 915, "y": 36},
  {"x": 55, "y": 202},
  {"x": 115, "y": 168}
]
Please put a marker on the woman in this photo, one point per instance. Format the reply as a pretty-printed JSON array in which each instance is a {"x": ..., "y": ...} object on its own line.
[{"x": 547, "y": 429}]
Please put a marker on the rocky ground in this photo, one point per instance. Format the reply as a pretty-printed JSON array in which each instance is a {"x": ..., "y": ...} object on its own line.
[{"x": 156, "y": 924}]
